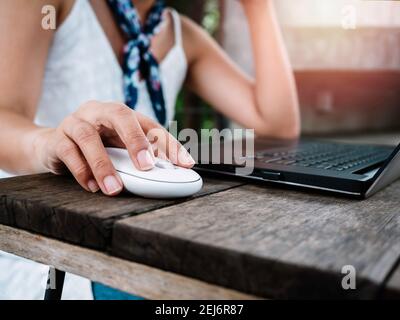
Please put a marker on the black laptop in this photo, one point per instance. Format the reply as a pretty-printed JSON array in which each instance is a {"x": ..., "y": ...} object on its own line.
[{"x": 354, "y": 170}]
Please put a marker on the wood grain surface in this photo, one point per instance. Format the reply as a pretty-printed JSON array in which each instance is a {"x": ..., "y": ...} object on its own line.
[
  {"x": 256, "y": 240},
  {"x": 128, "y": 276},
  {"x": 269, "y": 243},
  {"x": 58, "y": 207}
]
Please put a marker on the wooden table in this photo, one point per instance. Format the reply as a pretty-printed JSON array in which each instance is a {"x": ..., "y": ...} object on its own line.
[{"x": 231, "y": 241}]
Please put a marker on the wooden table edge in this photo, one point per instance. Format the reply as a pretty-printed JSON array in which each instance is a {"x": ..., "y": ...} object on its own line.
[{"x": 131, "y": 277}]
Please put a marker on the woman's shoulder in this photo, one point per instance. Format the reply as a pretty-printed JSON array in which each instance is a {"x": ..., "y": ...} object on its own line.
[
  {"x": 194, "y": 37},
  {"x": 37, "y": 10},
  {"x": 190, "y": 27},
  {"x": 64, "y": 9}
]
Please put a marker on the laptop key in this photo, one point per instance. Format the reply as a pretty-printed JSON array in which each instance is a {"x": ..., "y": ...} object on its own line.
[
  {"x": 271, "y": 160},
  {"x": 328, "y": 157},
  {"x": 289, "y": 162}
]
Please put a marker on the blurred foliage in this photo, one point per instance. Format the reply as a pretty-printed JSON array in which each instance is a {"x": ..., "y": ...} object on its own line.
[
  {"x": 204, "y": 12},
  {"x": 211, "y": 19},
  {"x": 192, "y": 112}
]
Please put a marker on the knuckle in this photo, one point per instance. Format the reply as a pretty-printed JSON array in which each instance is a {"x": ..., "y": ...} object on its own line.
[
  {"x": 137, "y": 140},
  {"x": 80, "y": 171},
  {"x": 136, "y": 136},
  {"x": 121, "y": 110},
  {"x": 68, "y": 121},
  {"x": 65, "y": 149},
  {"x": 89, "y": 105},
  {"x": 156, "y": 134},
  {"x": 100, "y": 165},
  {"x": 84, "y": 132}
]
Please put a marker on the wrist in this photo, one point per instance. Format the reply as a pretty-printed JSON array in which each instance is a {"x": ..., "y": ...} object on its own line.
[
  {"x": 256, "y": 3},
  {"x": 254, "y": 9},
  {"x": 35, "y": 144}
]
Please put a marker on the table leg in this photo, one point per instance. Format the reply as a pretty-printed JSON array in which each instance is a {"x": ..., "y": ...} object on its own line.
[{"x": 55, "y": 284}]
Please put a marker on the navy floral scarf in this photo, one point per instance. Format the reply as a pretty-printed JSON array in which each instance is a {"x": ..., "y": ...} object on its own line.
[{"x": 139, "y": 63}]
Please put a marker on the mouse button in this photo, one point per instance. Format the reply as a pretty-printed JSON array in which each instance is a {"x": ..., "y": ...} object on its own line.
[
  {"x": 163, "y": 164},
  {"x": 126, "y": 166},
  {"x": 169, "y": 175},
  {"x": 121, "y": 160},
  {"x": 181, "y": 175}
]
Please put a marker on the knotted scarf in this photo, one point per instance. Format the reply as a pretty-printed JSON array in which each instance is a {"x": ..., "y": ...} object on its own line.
[{"x": 138, "y": 61}]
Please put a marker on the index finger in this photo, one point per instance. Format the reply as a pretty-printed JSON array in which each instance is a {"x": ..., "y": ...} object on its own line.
[
  {"x": 123, "y": 120},
  {"x": 166, "y": 142}
]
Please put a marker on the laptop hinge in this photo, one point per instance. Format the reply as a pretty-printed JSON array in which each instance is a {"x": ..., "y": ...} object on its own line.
[{"x": 389, "y": 172}]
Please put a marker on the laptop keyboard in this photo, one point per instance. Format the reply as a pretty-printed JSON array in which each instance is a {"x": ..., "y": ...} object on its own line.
[{"x": 328, "y": 156}]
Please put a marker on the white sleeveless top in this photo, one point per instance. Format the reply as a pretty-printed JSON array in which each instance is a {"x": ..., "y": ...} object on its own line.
[{"x": 82, "y": 66}]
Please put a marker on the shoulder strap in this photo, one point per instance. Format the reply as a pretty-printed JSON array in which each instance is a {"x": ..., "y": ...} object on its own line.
[{"x": 177, "y": 26}]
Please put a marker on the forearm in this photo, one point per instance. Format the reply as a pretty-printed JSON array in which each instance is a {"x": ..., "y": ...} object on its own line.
[
  {"x": 275, "y": 91},
  {"x": 19, "y": 143}
]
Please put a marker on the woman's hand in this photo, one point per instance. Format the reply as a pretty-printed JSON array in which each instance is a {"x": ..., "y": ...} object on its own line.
[{"x": 78, "y": 145}]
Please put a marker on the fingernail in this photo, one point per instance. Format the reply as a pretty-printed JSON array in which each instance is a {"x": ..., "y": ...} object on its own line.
[
  {"x": 185, "y": 158},
  {"x": 112, "y": 185},
  {"x": 146, "y": 161},
  {"x": 93, "y": 186}
]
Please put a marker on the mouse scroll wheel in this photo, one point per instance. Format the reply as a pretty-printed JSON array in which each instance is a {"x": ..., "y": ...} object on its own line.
[{"x": 163, "y": 164}]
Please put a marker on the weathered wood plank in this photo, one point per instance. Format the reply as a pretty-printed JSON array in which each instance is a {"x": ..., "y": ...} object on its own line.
[
  {"x": 58, "y": 207},
  {"x": 271, "y": 243},
  {"x": 128, "y": 276}
]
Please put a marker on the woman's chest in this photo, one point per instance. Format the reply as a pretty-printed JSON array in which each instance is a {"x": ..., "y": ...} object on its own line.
[
  {"x": 82, "y": 66},
  {"x": 161, "y": 43}
]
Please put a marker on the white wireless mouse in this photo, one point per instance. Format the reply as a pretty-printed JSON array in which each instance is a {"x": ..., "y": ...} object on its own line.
[{"x": 164, "y": 181}]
